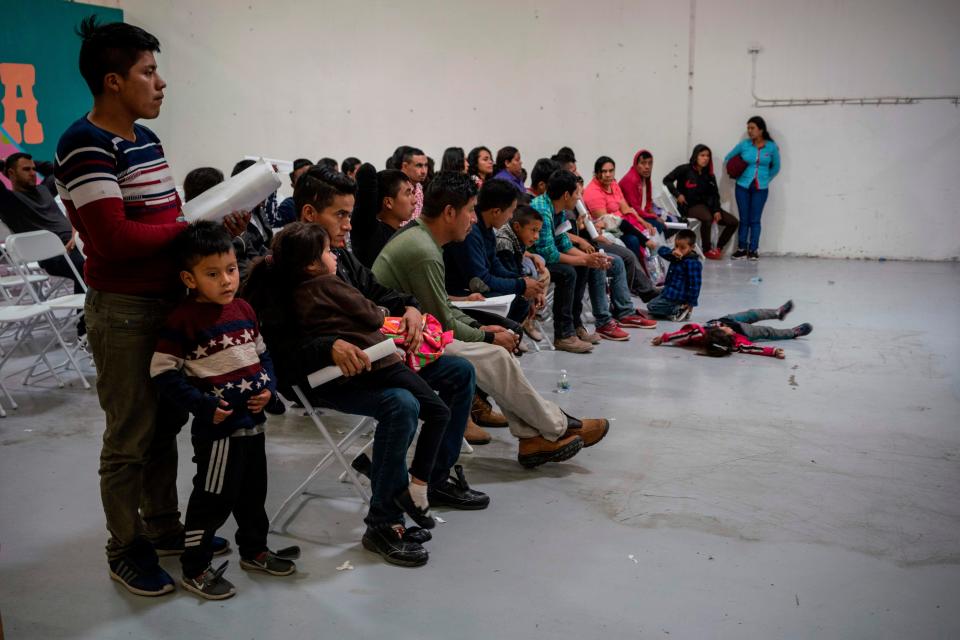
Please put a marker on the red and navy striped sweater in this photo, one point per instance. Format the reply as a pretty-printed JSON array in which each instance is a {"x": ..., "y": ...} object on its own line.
[
  {"x": 694, "y": 334},
  {"x": 209, "y": 352},
  {"x": 121, "y": 198}
]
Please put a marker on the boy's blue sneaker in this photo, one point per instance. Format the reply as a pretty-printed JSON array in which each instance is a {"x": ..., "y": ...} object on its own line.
[
  {"x": 153, "y": 581},
  {"x": 173, "y": 545}
]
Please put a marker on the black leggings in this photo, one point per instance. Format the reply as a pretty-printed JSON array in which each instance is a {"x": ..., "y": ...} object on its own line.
[{"x": 728, "y": 221}]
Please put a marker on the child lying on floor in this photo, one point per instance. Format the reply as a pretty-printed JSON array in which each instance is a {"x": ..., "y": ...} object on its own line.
[{"x": 735, "y": 332}]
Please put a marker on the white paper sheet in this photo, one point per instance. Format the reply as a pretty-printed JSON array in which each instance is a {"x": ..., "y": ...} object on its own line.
[
  {"x": 499, "y": 305},
  {"x": 378, "y": 351}
]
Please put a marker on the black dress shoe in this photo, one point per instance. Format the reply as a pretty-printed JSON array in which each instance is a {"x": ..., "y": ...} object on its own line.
[
  {"x": 388, "y": 542},
  {"x": 421, "y": 516},
  {"x": 418, "y": 535},
  {"x": 456, "y": 493},
  {"x": 361, "y": 464}
]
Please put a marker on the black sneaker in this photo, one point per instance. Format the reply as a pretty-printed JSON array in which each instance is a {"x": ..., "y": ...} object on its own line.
[
  {"x": 142, "y": 581},
  {"x": 418, "y": 535},
  {"x": 784, "y": 309},
  {"x": 802, "y": 329},
  {"x": 210, "y": 584},
  {"x": 753, "y": 256},
  {"x": 388, "y": 542},
  {"x": 421, "y": 516},
  {"x": 361, "y": 464},
  {"x": 456, "y": 493},
  {"x": 739, "y": 254},
  {"x": 269, "y": 562},
  {"x": 173, "y": 545}
]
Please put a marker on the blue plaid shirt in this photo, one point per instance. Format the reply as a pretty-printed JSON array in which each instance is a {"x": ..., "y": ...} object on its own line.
[{"x": 684, "y": 277}]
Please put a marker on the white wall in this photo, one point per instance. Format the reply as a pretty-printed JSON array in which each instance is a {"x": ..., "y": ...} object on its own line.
[{"x": 288, "y": 79}]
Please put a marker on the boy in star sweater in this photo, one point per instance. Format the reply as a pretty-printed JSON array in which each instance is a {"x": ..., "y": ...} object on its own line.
[{"x": 211, "y": 361}]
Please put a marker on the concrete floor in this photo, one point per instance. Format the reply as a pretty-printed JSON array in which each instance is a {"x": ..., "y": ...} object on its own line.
[{"x": 747, "y": 497}]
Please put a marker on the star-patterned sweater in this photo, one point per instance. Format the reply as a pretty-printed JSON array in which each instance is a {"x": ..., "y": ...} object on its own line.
[{"x": 209, "y": 352}]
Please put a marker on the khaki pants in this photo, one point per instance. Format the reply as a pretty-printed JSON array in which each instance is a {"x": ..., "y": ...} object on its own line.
[
  {"x": 138, "y": 461},
  {"x": 500, "y": 375}
]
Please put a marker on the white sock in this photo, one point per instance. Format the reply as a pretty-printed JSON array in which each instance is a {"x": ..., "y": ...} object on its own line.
[{"x": 419, "y": 494}]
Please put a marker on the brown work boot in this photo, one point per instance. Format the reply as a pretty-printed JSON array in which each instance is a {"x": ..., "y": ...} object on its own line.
[
  {"x": 484, "y": 415},
  {"x": 586, "y": 336},
  {"x": 573, "y": 344},
  {"x": 591, "y": 430},
  {"x": 474, "y": 434},
  {"x": 538, "y": 450}
]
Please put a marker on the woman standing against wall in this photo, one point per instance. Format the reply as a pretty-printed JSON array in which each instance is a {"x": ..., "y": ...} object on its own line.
[
  {"x": 761, "y": 156},
  {"x": 695, "y": 188}
]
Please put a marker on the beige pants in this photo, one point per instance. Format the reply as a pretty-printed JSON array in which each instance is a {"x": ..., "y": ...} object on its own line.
[{"x": 500, "y": 375}]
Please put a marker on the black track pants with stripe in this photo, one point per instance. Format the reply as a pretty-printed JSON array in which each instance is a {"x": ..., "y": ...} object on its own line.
[{"x": 231, "y": 478}]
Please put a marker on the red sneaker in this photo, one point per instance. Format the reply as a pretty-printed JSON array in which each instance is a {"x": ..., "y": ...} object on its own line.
[
  {"x": 612, "y": 331},
  {"x": 637, "y": 322},
  {"x": 713, "y": 254}
]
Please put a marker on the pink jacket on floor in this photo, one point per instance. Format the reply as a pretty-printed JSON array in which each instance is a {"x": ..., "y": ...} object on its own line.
[{"x": 694, "y": 334}]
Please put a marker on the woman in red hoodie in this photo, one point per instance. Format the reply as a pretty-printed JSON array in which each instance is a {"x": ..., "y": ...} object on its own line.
[{"x": 638, "y": 189}]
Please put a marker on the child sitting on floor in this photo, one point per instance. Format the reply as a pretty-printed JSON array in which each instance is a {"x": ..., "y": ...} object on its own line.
[
  {"x": 681, "y": 291},
  {"x": 325, "y": 305},
  {"x": 735, "y": 332},
  {"x": 211, "y": 360}
]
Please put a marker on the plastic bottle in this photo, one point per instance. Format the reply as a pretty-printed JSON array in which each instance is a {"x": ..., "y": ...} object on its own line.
[
  {"x": 756, "y": 280},
  {"x": 563, "y": 382}
]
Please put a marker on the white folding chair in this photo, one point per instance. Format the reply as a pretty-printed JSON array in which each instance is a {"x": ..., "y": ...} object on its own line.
[
  {"x": 23, "y": 317},
  {"x": 31, "y": 246}
]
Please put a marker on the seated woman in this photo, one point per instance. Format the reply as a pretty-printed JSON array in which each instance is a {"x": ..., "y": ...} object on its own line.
[
  {"x": 509, "y": 167},
  {"x": 480, "y": 165},
  {"x": 607, "y": 206},
  {"x": 695, "y": 188},
  {"x": 637, "y": 189}
]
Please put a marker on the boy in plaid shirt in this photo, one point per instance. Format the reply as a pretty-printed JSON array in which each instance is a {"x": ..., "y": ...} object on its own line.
[{"x": 681, "y": 291}]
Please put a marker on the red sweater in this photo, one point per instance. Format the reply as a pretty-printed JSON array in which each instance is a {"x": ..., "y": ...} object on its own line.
[{"x": 694, "y": 334}]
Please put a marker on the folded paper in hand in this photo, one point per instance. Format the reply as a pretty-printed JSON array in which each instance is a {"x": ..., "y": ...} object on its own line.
[
  {"x": 499, "y": 305},
  {"x": 242, "y": 192},
  {"x": 378, "y": 351}
]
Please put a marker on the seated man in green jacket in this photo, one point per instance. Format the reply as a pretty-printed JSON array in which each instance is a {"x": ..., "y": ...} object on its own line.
[{"x": 412, "y": 262}]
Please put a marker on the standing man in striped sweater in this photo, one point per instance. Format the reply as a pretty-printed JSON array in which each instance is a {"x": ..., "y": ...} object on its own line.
[{"x": 119, "y": 194}]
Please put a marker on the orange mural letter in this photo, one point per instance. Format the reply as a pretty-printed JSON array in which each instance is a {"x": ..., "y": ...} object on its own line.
[{"x": 18, "y": 80}]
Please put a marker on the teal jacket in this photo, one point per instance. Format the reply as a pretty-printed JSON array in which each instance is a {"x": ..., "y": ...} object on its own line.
[{"x": 763, "y": 171}]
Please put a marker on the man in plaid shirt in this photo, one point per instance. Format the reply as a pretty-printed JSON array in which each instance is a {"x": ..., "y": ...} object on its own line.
[{"x": 681, "y": 291}]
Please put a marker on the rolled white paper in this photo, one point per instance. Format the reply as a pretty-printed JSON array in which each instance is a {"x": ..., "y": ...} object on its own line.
[
  {"x": 582, "y": 208},
  {"x": 591, "y": 229},
  {"x": 676, "y": 225},
  {"x": 378, "y": 351},
  {"x": 242, "y": 192}
]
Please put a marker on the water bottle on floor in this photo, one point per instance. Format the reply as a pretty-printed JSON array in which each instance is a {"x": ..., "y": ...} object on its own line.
[{"x": 563, "y": 382}]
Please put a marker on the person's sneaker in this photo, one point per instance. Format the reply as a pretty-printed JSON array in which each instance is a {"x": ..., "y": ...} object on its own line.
[
  {"x": 457, "y": 494},
  {"x": 362, "y": 464},
  {"x": 173, "y": 545},
  {"x": 585, "y": 336},
  {"x": 421, "y": 516},
  {"x": 388, "y": 542},
  {"x": 637, "y": 322},
  {"x": 538, "y": 450},
  {"x": 152, "y": 581},
  {"x": 612, "y": 331},
  {"x": 683, "y": 315},
  {"x": 531, "y": 330},
  {"x": 473, "y": 434},
  {"x": 210, "y": 584},
  {"x": 713, "y": 254},
  {"x": 573, "y": 344},
  {"x": 269, "y": 562},
  {"x": 739, "y": 254},
  {"x": 416, "y": 534},
  {"x": 753, "y": 256},
  {"x": 784, "y": 309},
  {"x": 802, "y": 329},
  {"x": 483, "y": 414},
  {"x": 591, "y": 430}
]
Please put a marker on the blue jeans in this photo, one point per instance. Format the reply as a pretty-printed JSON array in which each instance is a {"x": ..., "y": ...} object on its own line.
[
  {"x": 619, "y": 298},
  {"x": 663, "y": 308},
  {"x": 454, "y": 380},
  {"x": 750, "y": 205}
]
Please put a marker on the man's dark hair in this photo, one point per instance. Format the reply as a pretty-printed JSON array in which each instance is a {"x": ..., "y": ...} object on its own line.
[
  {"x": 403, "y": 154},
  {"x": 447, "y": 188},
  {"x": 11, "y": 162},
  {"x": 199, "y": 240},
  {"x": 525, "y": 214},
  {"x": 561, "y": 182},
  {"x": 242, "y": 166},
  {"x": 687, "y": 235},
  {"x": 349, "y": 164},
  {"x": 110, "y": 48},
  {"x": 389, "y": 182},
  {"x": 319, "y": 186},
  {"x": 496, "y": 194},
  {"x": 504, "y": 156},
  {"x": 542, "y": 171},
  {"x": 602, "y": 160},
  {"x": 564, "y": 159},
  {"x": 453, "y": 159},
  {"x": 644, "y": 155},
  {"x": 473, "y": 159},
  {"x": 568, "y": 153},
  {"x": 717, "y": 343},
  {"x": 298, "y": 164},
  {"x": 199, "y": 180},
  {"x": 329, "y": 163}
]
